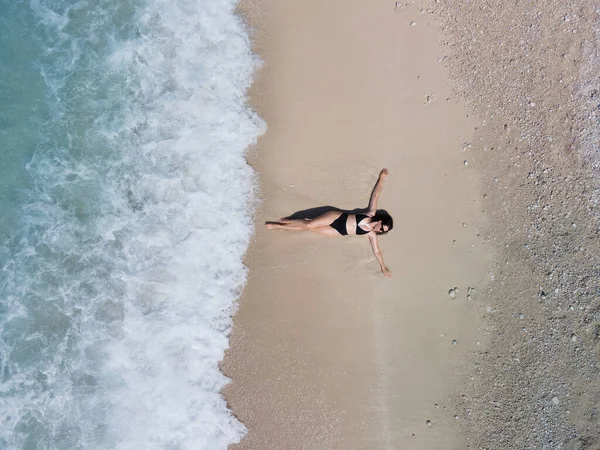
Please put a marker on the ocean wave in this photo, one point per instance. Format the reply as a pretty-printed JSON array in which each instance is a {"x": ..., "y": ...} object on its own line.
[{"x": 121, "y": 275}]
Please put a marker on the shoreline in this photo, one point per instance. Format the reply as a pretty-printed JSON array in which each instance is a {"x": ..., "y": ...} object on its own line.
[{"x": 326, "y": 353}]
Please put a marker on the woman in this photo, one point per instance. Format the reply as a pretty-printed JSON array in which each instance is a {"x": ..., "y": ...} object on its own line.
[{"x": 337, "y": 223}]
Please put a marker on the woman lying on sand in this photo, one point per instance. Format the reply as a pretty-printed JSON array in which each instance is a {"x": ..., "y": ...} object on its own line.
[{"x": 337, "y": 223}]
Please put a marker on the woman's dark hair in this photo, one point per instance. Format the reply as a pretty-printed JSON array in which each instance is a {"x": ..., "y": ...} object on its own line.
[{"x": 385, "y": 218}]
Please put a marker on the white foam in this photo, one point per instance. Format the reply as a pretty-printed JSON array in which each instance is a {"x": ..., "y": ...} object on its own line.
[
  {"x": 146, "y": 235},
  {"x": 184, "y": 254}
]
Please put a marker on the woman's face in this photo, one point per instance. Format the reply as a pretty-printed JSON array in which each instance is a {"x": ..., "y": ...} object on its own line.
[{"x": 377, "y": 227}]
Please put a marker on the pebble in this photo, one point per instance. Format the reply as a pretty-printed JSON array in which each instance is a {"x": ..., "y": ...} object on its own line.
[
  {"x": 453, "y": 292},
  {"x": 413, "y": 24},
  {"x": 437, "y": 406},
  {"x": 555, "y": 400},
  {"x": 466, "y": 163},
  {"x": 454, "y": 342},
  {"x": 428, "y": 423}
]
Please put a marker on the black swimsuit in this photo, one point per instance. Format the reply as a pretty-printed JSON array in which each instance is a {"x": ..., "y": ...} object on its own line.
[{"x": 339, "y": 224}]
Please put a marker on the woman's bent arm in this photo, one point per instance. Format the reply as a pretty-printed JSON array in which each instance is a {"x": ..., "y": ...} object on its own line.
[
  {"x": 376, "y": 190},
  {"x": 375, "y": 246}
]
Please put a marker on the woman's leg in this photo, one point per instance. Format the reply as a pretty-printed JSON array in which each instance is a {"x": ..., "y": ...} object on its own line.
[
  {"x": 294, "y": 224},
  {"x": 318, "y": 224},
  {"x": 325, "y": 231},
  {"x": 285, "y": 226},
  {"x": 323, "y": 220}
]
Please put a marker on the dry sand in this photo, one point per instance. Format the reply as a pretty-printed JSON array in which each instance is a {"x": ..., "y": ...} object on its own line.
[
  {"x": 531, "y": 72},
  {"x": 325, "y": 352}
]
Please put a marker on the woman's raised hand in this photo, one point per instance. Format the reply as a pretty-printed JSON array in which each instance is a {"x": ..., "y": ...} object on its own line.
[{"x": 384, "y": 173}]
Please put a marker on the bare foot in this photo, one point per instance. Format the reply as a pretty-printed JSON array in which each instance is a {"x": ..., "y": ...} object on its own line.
[{"x": 270, "y": 225}]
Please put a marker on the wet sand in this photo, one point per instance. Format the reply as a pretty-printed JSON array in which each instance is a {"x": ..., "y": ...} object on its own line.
[{"x": 325, "y": 352}]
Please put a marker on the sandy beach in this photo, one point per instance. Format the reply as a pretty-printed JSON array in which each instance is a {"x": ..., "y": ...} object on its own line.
[
  {"x": 487, "y": 118},
  {"x": 530, "y": 72},
  {"x": 325, "y": 352}
]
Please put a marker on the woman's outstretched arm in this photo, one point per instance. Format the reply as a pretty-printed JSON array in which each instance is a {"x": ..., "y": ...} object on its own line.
[
  {"x": 375, "y": 246},
  {"x": 376, "y": 190}
]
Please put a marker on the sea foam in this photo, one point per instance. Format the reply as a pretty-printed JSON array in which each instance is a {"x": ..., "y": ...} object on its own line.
[{"x": 120, "y": 278}]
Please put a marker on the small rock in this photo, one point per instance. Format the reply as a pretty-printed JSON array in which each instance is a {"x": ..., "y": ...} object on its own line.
[
  {"x": 428, "y": 423},
  {"x": 413, "y": 24},
  {"x": 555, "y": 400},
  {"x": 452, "y": 293},
  {"x": 466, "y": 163},
  {"x": 454, "y": 342}
]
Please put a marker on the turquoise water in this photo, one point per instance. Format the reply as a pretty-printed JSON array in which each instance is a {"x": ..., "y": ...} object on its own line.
[{"x": 125, "y": 206}]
